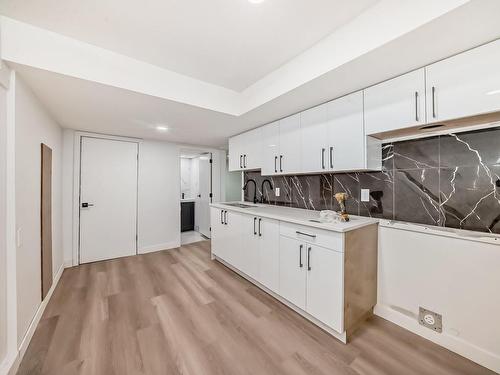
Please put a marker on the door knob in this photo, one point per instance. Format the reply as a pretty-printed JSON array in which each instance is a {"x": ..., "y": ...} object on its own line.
[{"x": 86, "y": 205}]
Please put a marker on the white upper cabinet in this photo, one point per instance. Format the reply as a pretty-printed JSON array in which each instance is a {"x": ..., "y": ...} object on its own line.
[
  {"x": 235, "y": 154},
  {"x": 313, "y": 142},
  {"x": 252, "y": 149},
  {"x": 245, "y": 150},
  {"x": 281, "y": 146},
  {"x": 289, "y": 155},
  {"x": 464, "y": 85},
  {"x": 395, "y": 104},
  {"x": 346, "y": 144},
  {"x": 270, "y": 148}
]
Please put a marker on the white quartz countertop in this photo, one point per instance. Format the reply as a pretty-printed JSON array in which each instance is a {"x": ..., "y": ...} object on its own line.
[
  {"x": 187, "y": 200},
  {"x": 297, "y": 216}
]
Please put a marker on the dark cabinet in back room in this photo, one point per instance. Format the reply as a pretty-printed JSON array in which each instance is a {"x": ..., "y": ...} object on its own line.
[{"x": 187, "y": 216}]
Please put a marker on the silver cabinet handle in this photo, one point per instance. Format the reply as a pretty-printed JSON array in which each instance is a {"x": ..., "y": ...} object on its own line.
[
  {"x": 323, "y": 158},
  {"x": 309, "y": 259},
  {"x": 254, "y": 231},
  {"x": 331, "y": 157},
  {"x": 433, "y": 102},
  {"x": 225, "y": 217},
  {"x": 300, "y": 256},
  {"x": 87, "y": 205},
  {"x": 222, "y": 216},
  {"x": 275, "y": 161},
  {"x": 260, "y": 233},
  {"x": 244, "y": 161},
  {"x": 281, "y": 161},
  {"x": 416, "y": 107},
  {"x": 241, "y": 162},
  {"x": 306, "y": 234}
]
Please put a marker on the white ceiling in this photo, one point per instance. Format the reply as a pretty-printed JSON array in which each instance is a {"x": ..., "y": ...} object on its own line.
[{"x": 230, "y": 43}]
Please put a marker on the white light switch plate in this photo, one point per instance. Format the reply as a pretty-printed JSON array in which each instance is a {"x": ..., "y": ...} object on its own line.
[
  {"x": 365, "y": 195},
  {"x": 277, "y": 191}
]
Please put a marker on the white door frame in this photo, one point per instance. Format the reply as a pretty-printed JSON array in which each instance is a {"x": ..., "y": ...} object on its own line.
[
  {"x": 219, "y": 160},
  {"x": 76, "y": 185}
]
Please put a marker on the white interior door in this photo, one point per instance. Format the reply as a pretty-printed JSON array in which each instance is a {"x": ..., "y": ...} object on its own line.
[
  {"x": 202, "y": 202},
  {"x": 108, "y": 199}
]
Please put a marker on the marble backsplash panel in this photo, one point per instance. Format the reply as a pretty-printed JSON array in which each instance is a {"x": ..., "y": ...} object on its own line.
[{"x": 450, "y": 180}]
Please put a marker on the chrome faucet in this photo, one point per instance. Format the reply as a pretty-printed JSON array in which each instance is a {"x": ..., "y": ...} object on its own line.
[
  {"x": 262, "y": 197},
  {"x": 255, "y": 190}
]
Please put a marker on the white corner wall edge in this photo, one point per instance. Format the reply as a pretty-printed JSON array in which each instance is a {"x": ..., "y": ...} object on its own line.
[
  {"x": 11, "y": 364},
  {"x": 158, "y": 247},
  {"x": 455, "y": 344}
]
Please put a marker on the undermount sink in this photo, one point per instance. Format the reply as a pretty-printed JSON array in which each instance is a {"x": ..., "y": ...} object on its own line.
[{"x": 239, "y": 205}]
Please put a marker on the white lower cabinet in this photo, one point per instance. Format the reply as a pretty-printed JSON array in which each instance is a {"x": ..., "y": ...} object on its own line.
[
  {"x": 249, "y": 260},
  {"x": 260, "y": 246},
  {"x": 226, "y": 232},
  {"x": 313, "y": 270},
  {"x": 269, "y": 254},
  {"x": 311, "y": 277},
  {"x": 325, "y": 283},
  {"x": 292, "y": 271},
  {"x": 217, "y": 232}
]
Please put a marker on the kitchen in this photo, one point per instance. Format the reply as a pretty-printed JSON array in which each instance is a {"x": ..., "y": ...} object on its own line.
[{"x": 250, "y": 187}]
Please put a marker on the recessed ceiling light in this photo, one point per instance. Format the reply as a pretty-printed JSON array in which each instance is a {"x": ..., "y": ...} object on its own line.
[
  {"x": 162, "y": 128},
  {"x": 255, "y": 1},
  {"x": 494, "y": 92}
]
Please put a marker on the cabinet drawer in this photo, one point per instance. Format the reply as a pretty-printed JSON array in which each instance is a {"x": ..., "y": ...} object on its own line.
[{"x": 320, "y": 237}]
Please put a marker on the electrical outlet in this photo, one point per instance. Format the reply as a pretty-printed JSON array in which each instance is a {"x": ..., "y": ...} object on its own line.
[
  {"x": 365, "y": 195},
  {"x": 430, "y": 319},
  {"x": 277, "y": 191}
]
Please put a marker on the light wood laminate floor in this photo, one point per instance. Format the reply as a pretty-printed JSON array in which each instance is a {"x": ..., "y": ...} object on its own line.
[{"x": 178, "y": 312}]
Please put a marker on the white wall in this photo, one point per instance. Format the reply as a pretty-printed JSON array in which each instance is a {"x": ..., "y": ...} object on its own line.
[
  {"x": 190, "y": 177},
  {"x": 33, "y": 127},
  {"x": 3, "y": 223},
  {"x": 454, "y": 276},
  {"x": 159, "y": 196}
]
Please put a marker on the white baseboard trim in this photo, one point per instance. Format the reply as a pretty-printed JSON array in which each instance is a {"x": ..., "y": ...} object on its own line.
[
  {"x": 14, "y": 362},
  {"x": 8, "y": 364},
  {"x": 454, "y": 343},
  {"x": 158, "y": 247}
]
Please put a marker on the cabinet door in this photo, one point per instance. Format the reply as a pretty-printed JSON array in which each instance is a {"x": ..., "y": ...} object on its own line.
[
  {"x": 464, "y": 85},
  {"x": 252, "y": 149},
  {"x": 289, "y": 156},
  {"x": 313, "y": 129},
  {"x": 293, "y": 271},
  {"x": 269, "y": 257},
  {"x": 235, "y": 154},
  {"x": 270, "y": 146},
  {"x": 346, "y": 142},
  {"x": 248, "y": 261},
  {"x": 395, "y": 104},
  {"x": 217, "y": 234},
  {"x": 325, "y": 289},
  {"x": 233, "y": 238}
]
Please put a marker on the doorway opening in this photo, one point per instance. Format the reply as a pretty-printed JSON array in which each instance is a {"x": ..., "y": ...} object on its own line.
[{"x": 196, "y": 195}]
